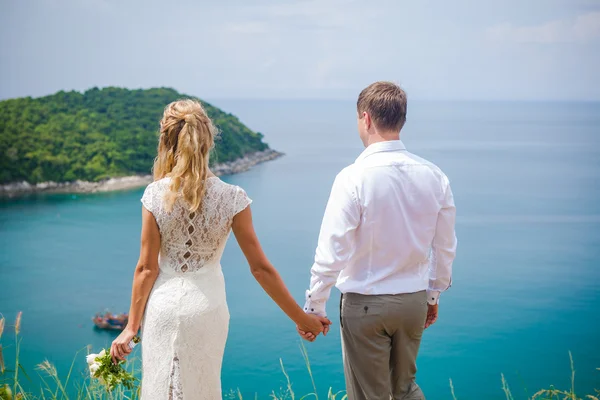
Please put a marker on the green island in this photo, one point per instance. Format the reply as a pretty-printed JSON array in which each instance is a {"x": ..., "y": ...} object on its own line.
[{"x": 101, "y": 134}]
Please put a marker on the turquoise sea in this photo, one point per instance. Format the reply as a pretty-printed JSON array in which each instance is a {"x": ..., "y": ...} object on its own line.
[{"x": 526, "y": 179}]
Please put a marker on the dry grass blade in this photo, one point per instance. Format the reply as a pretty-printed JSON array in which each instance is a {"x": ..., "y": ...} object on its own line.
[
  {"x": 48, "y": 368},
  {"x": 334, "y": 396},
  {"x": 18, "y": 323},
  {"x": 572, "y": 375},
  {"x": 1, "y": 361},
  {"x": 287, "y": 378},
  {"x": 538, "y": 394},
  {"x": 1, "y": 355},
  {"x": 452, "y": 390},
  {"x": 549, "y": 393},
  {"x": 506, "y": 389},
  {"x": 307, "y": 363}
]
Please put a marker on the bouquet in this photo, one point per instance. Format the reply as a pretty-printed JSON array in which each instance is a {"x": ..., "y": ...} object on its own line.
[{"x": 109, "y": 374}]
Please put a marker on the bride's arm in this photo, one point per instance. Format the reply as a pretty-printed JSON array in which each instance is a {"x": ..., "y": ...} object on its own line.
[
  {"x": 268, "y": 277},
  {"x": 144, "y": 277}
]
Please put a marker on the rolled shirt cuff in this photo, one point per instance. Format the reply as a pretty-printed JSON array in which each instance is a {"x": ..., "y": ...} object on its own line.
[
  {"x": 314, "y": 307},
  {"x": 433, "y": 297}
]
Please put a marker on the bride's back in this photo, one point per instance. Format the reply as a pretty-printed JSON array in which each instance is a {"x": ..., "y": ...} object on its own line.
[{"x": 191, "y": 240}]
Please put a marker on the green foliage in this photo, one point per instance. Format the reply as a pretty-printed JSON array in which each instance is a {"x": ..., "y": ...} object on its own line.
[
  {"x": 98, "y": 134},
  {"x": 113, "y": 375}
]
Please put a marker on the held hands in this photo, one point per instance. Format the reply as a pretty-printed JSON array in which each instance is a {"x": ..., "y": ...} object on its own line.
[
  {"x": 120, "y": 346},
  {"x": 432, "y": 315},
  {"x": 314, "y": 325}
]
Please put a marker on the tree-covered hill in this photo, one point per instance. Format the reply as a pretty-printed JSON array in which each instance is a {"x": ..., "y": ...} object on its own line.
[{"x": 98, "y": 134}]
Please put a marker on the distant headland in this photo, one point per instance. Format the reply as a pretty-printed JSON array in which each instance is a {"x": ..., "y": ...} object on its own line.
[{"x": 103, "y": 140}]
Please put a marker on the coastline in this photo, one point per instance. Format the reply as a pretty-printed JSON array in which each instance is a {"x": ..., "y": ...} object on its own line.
[{"x": 19, "y": 189}]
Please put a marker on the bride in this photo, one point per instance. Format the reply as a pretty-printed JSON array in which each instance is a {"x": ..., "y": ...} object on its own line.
[{"x": 178, "y": 295}]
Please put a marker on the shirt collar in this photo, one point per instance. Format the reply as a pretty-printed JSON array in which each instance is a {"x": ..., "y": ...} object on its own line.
[{"x": 379, "y": 147}]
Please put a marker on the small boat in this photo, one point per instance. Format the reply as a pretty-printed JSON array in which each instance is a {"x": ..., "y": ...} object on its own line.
[{"x": 111, "y": 321}]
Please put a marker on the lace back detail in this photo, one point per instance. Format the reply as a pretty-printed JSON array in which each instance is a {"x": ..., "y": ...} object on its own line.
[
  {"x": 190, "y": 242},
  {"x": 193, "y": 239}
]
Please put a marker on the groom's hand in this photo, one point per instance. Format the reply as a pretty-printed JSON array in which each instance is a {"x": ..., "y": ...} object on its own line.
[
  {"x": 310, "y": 336},
  {"x": 432, "y": 315}
]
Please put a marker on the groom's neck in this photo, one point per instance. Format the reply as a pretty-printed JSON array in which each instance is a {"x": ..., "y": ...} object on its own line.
[{"x": 383, "y": 137}]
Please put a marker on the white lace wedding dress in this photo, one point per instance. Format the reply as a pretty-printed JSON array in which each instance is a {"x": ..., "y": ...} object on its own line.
[{"x": 186, "y": 319}]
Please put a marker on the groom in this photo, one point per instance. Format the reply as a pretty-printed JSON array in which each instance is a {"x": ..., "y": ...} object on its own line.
[{"x": 387, "y": 242}]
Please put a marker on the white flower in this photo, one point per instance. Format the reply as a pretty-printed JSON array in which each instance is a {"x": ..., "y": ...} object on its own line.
[
  {"x": 91, "y": 358},
  {"x": 102, "y": 353},
  {"x": 94, "y": 368}
]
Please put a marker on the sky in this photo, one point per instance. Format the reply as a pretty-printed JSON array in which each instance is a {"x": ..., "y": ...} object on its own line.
[{"x": 304, "y": 49}]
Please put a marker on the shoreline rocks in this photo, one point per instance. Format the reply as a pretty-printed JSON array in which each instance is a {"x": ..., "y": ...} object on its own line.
[{"x": 18, "y": 189}]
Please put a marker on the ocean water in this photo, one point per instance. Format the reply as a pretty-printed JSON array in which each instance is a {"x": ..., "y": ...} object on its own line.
[{"x": 526, "y": 179}]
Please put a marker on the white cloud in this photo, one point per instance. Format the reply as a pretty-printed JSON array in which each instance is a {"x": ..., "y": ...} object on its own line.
[{"x": 584, "y": 28}]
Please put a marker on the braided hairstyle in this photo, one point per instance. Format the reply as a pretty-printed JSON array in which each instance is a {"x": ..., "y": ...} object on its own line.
[{"x": 186, "y": 137}]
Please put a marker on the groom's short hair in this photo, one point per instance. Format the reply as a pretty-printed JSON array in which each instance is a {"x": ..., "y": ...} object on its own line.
[{"x": 385, "y": 102}]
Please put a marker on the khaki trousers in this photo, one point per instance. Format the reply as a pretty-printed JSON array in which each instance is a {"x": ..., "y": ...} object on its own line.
[{"x": 380, "y": 341}]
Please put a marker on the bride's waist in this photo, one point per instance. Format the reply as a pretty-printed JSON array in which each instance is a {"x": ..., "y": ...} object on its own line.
[
  {"x": 205, "y": 275},
  {"x": 191, "y": 268},
  {"x": 208, "y": 284},
  {"x": 186, "y": 292}
]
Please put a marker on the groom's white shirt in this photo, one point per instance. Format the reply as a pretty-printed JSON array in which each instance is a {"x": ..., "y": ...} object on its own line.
[{"x": 388, "y": 229}]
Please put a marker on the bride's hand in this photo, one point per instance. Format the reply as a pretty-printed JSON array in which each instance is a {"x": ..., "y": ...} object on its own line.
[
  {"x": 120, "y": 346},
  {"x": 312, "y": 326}
]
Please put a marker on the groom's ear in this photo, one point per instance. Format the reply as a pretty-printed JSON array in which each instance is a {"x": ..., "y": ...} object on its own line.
[{"x": 368, "y": 120}]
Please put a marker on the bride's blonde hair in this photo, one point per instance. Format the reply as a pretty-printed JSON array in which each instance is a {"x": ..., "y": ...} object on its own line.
[{"x": 186, "y": 137}]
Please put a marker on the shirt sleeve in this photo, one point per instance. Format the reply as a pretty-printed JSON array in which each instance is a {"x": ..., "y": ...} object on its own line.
[
  {"x": 443, "y": 249},
  {"x": 342, "y": 217},
  {"x": 241, "y": 201},
  {"x": 149, "y": 199}
]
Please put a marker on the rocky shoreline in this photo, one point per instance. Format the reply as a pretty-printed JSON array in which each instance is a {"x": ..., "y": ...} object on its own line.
[{"x": 19, "y": 189}]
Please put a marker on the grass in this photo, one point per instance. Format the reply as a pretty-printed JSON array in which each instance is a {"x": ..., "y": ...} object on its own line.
[
  {"x": 55, "y": 388},
  {"x": 545, "y": 394}
]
